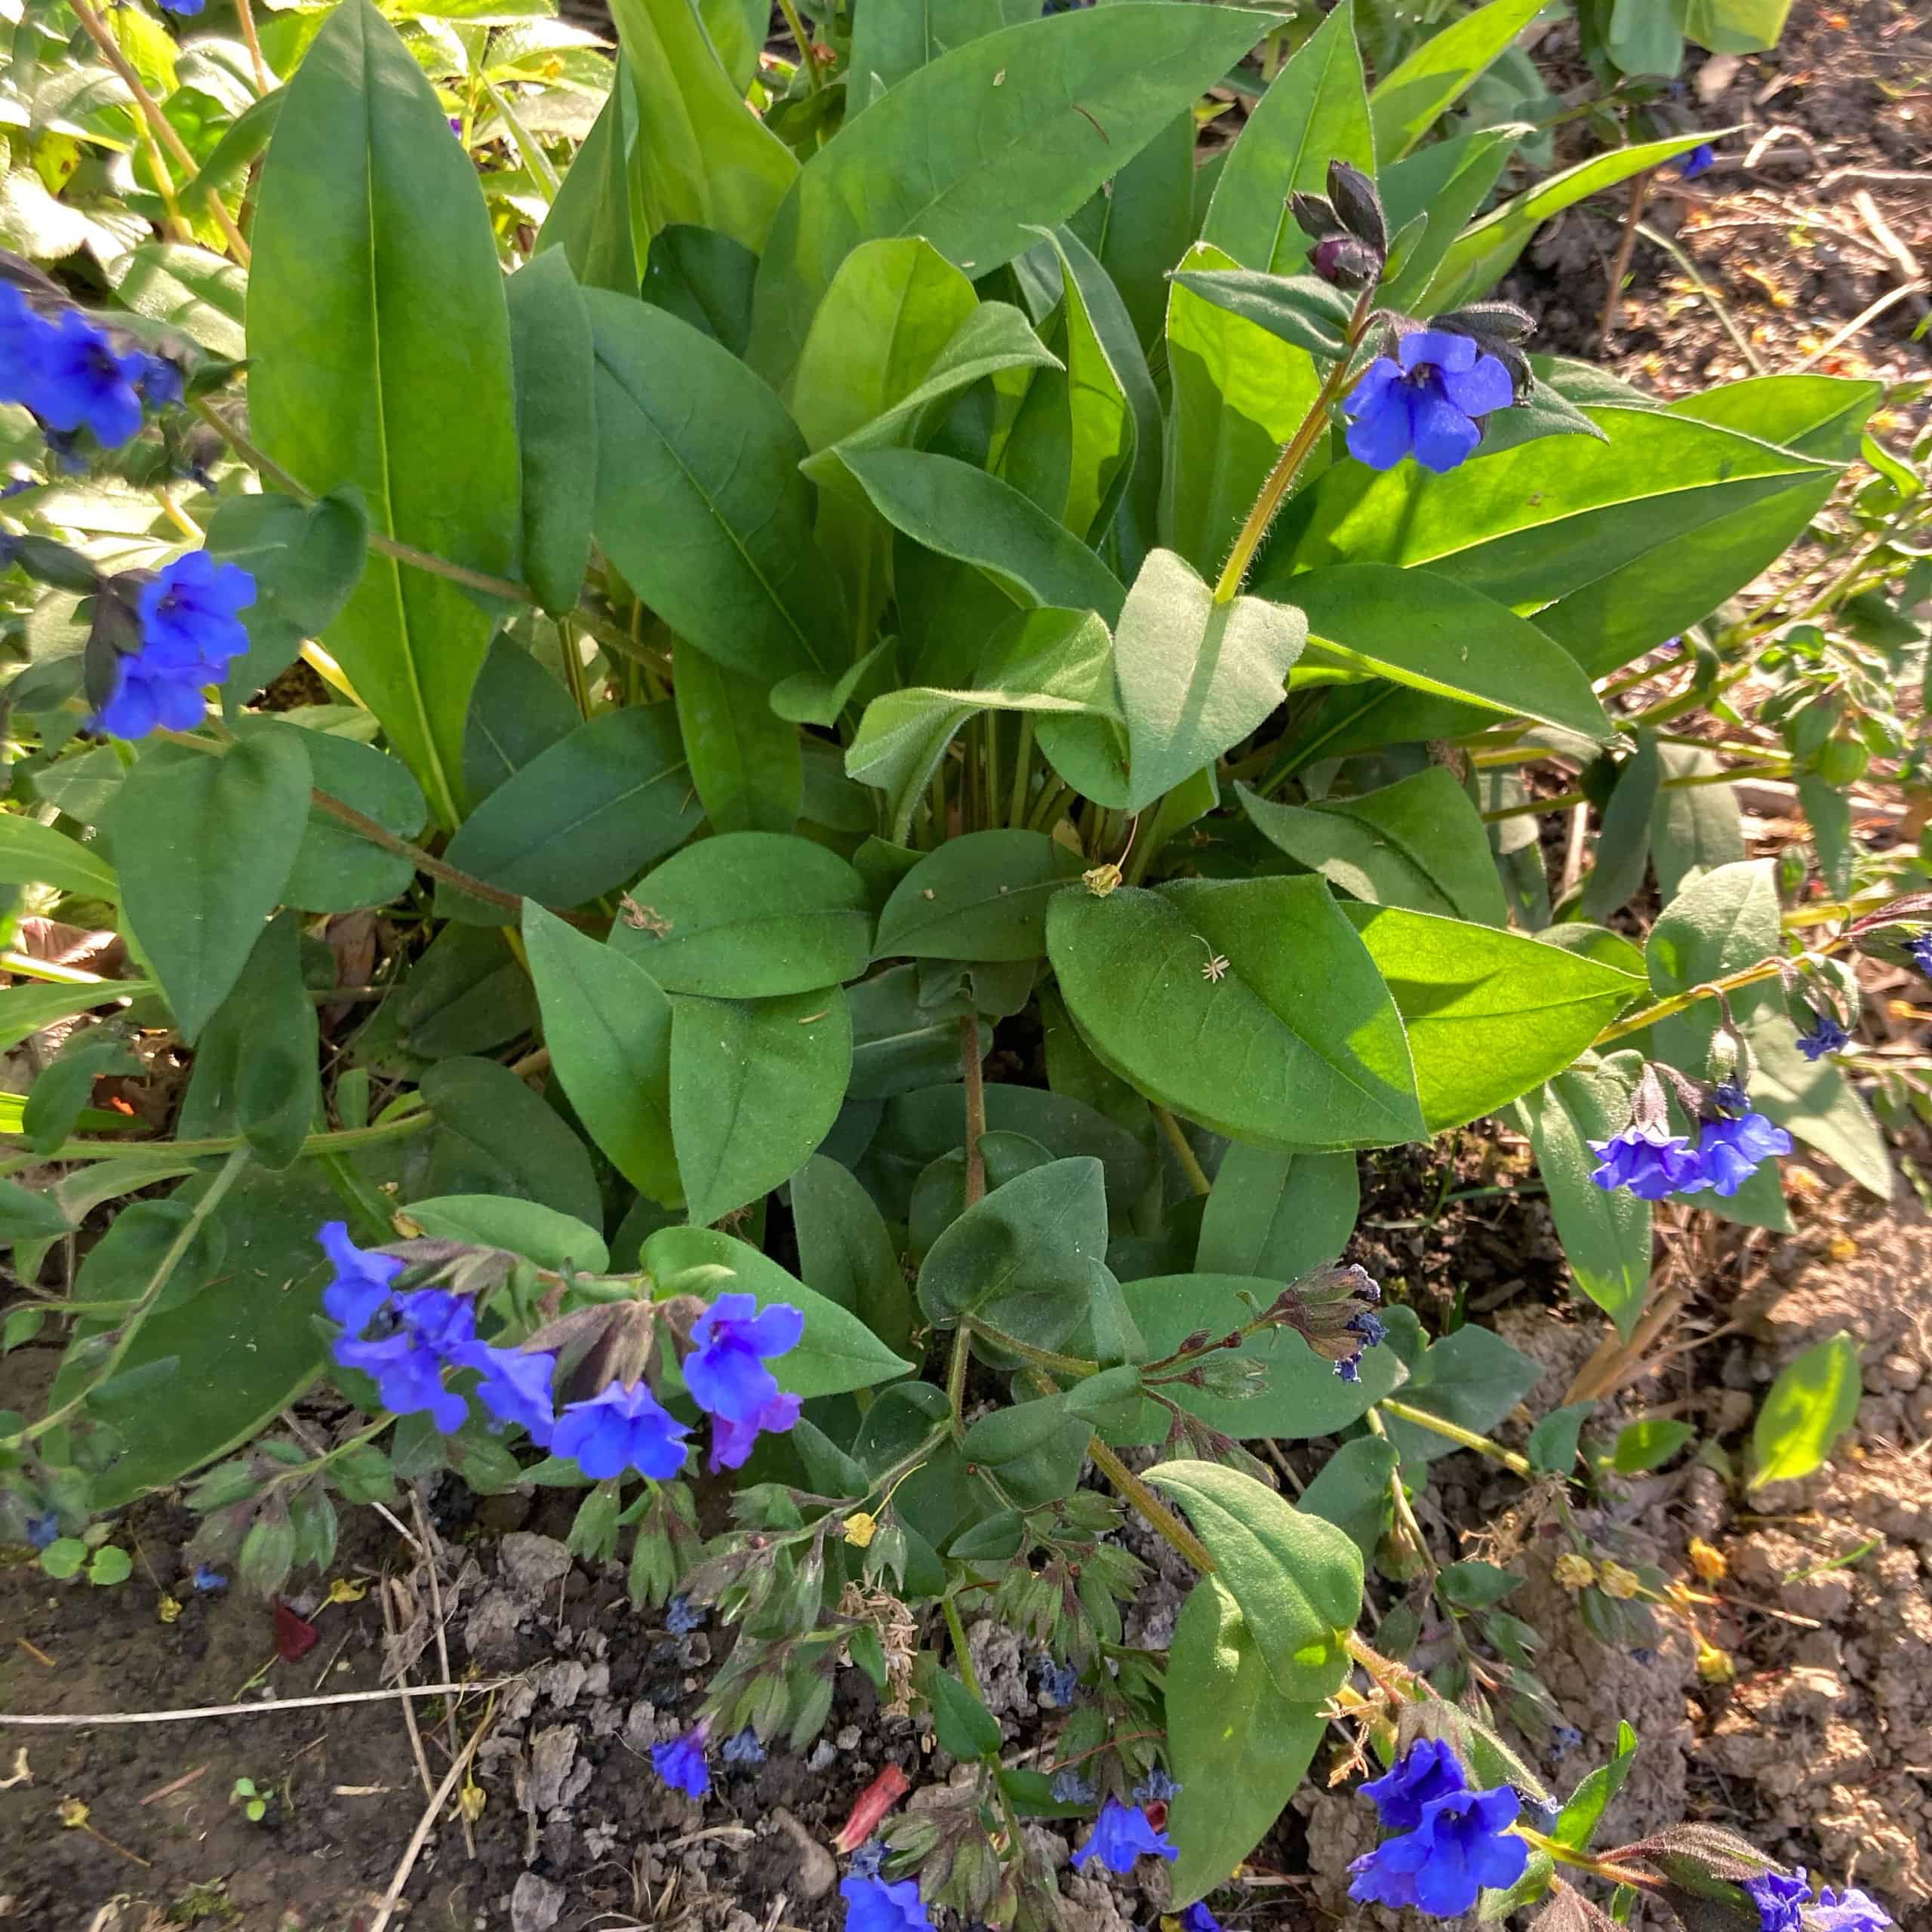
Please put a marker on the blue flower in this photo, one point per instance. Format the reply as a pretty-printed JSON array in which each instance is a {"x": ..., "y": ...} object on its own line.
[
  {"x": 725, "y": 1370},
  {"x": 207, "y": 1577},
  {"x": 85, "y": 382},
  {"x": 359, "y": 1290},
  {"x": 1729, "y": 1152},
  {"x": 1651, "y": 1162},
  {"x": 681, "y": 1616},
  {"x": 1197, "y": 1918},
  {"x": 620, "y": 1429},
  {"x": 1564, "y": 1738},
  {"x": 187, "y": 9},
  {"x": 43, "y": 1529},
  {"x": 869, "y": 1859},
  {"x": 1427, "y": 1770},
  {"x": 681, "y": 1763},
  {"x": 1918, "y": 950},
  {"x": 1694, "y": 163},
  {"x": 1069, "y": 1786},
  {"x": 731, "y": 1442},
  {"x": 1823, "y": 1034},
  {"x": 1156, "y": 1788},
  {"x": 23, "y": 331},
  {"x": 515, "y": 1388},
  {"x": 1780, "y": 1901},
  {"x": 160, "y": 381},
  {"x": 188, "y": 615},
  {"x": 148, "y": 696},
  {"x": 1849, "y": 1911},
  {"x": 742, "y": 1747},
  {"x": 1122, "y": 1834},
  {"x": 1462, "y": 1844},
  {"x": 1059, "y": 1682},
  {"x": 431, "y": 1329},
  {"x": 872, "y": 1904},
  {"x": 1729, "y": 1097},
  {"x": 1425, "y": 401}
]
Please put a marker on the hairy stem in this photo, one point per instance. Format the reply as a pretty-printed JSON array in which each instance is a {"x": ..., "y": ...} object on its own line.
[
  {"x": 976, "y": 1107},
  {"x": 1466, "y": 1438},
  {"x": 1190, "y": 1164},
  {"x": 1160, "y": 1519}
]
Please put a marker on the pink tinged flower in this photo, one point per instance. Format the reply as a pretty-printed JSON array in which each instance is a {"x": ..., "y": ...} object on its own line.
[{"x": 731, "y": 1442}]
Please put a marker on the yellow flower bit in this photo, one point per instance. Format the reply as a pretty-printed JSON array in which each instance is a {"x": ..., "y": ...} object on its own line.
[
  {"x": 471, "y": 1800},
  {"x": 1101, "y": 881},
  {"x": 1617, "y": 1582},
  {"x": 1709, "y": 1564},
  {"x": 73, "y": 1813},
  {"x": 348, "y": 1589},
  {"x": 860, "y": 1528},
  {"x": 1574, "y": 1572},
  {"x": 168, "y": 1609},
  {"x": 1714, "y": 1666}
]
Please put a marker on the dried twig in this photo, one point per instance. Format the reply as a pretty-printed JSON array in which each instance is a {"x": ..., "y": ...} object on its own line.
[
  {"x": 408, "y": 1709},
  {"x": 257, "y": 1708},
  {"x": 432, "y": 1551},
  {"x": 425, "y": 1825}
]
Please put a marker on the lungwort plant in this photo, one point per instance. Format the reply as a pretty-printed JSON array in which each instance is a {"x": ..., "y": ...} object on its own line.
[{"x": 928, "y": 709}]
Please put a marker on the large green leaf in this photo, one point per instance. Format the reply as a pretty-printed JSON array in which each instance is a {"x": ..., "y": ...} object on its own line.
[
  {"x": 1693, "y": 828},
  {"x": 25, "y": 1010},
  {"x": 1407, "y": 100},
  {"x": 1196, "y": 675},
  {"x": 1016, "y": 127},
  {"x": 837, "y": 1352},
  {"x": 728, "y": 1059},
  {"x": 1424, "y": 629},
  {"x": 1296, "y": 1578},
  {"x": 1735, "y": 26},
  {"x": 589, "y": 813},
  {"x": 700, "y": 155},
  {"x": 1141, "y": 223},
  {"x": 607, "y": 1025},
  {"x": 1238, "y": 1747},
  {"x": 1248, "y": 1005},
  {"x": 983, "y": 896},
  {"x": 1444, "y": 183},
  {"x": 32, "y": 853},
  {"x": 699, "y": 502},
  {"x": 1606, "y": 1235},
  {"x": 1490, "y": 1014},
  {"x": 1239, "y": 393},
  {"x": 1314, "y": 112},
  {"x": 335, "y": 869},
  {"x": 1418, "y": 843},
  {"x": 496, "y": 1136},
  {"x": 556, "y": 425},
  {"x": 1472, "y": 1378},
  {"x": 380, "y": 351},
  {"x": 1818, "y": 416},
  {"x": 890, "y": 42},
  {"x": 590, "y": 220},
  {"x": 1277, "y": 1214},
  {"x": 517, "y": 712},
  {"x": 178, "y": 825},
  {"x": 748, "y": 915},
  {"x": 746, "y": 763},
  {"x": 846, "y": 1252}
]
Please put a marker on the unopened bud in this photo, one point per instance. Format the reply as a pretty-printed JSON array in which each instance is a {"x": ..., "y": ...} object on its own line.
[
  {"x": 1617, "y": 1582},
  {"x": 1345, "y": 263},
  {"x": 1102, "y": 880},
  {"x": 1233, "y": 1377},
  {"x": 1574, "y": 1572},
  {"x": 1315, "y": 215},
  {"x": 1358, "y": 204}
]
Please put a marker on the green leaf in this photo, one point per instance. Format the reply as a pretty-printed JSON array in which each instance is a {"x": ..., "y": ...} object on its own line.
[
  {"x": 1277, "y": 1214},
  {"x": 1021, "y": 1260},
  {"x": 517, "y": 712},
  {"x": 1483, "y": 253},
  {"x": 1649, "y": 1444},
  {"x": 590, "y": 220},
  {"x": 178, "y": 825},
  {"x": 1473, "y": 1584},
  {"x": 335, "y": 870},
  {"x": 1351, "y": 1490},
  {"x": 1472, "y": 1378},
  {"x": 1436, "y": 635},
  {"x": 556, "y": 425},
  {"x": 963, "y": 1725},
  {"x": 1303, "y": 1396},
  {"x": 748, "y": 915},
  {"x": 1296, "y": 1579},
  {"x": 27, "y": 1010},
  {"x": 888, "y": 43},
  {"x": 960, "y": 511},
  {"x": 701, "y": 155},
  {"x": 1812, "y": 1403},
  {"x": 1239, "y": 394},
  {"x": 381, "y": 356},
  {"x": 306, "y": 560},
  {"x": 1489, "y": 1014},
  {"x": 1735, "y": 26},
  {"x": 699, "y": 502},
  {"x": 845, "y": 1252},
  {"x": 1580, "y": 1817},
  {"x": 728, "y": 1057},
  {"x": 704, "y": 278},
  {"x": 1693, "y": 828},
  {"x": 255, "y": 1067},
  {"x": 983, "y": 896},
  {"x": 1142, "y": 222},
  {"x": 496, "y": 1136},
  {"x": 1296, "y": 1043},
  {"x": 1239, "y": 1750},
  {"x": 1444, "y": 183},
  {"x": 27, "y": 1216},
  {"x": 1606, "y": 1235},
  {"x": 1196, "y": 675},
  {"x": 1551, "y": 1447},
  {"x": 608, "y": 1024},
  {"x": 527, "y": 1228},
  {"x": 745, "y": 762},
  {"x": 1016, "y": 127},
  {"x": 1315, "y": 111},
  {"x": 1419, "y": 843},
  {"x": 1408, "y": 100},
  {"x": 837, "y": 1352},
  {"x": 32, "y": 853},
  {"x": 1301, "y": 309},
  {"x": 1623, "y": 843},
  {"x": 63, "y": 1088},
  {"x": 201, "y": 294},
  {"x": 588, "y": 814}
]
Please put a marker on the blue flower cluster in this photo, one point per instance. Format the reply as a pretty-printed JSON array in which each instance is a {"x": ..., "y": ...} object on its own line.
[
  {"x": 1784, "y": 1905},
  {"x": 1651, "y": 1162},
  {"x": 406, "y": 1344},
  {"x": 1452, "y": 1842},
  {"x": 68, "y": 373},
  {"x": 1425, "y": 400},
  {"x": 873, "y": 1904},
  {"x": 1822, "y": 1034},
  {"x": 189, "y": 635},
  {"x": 1121, "y": 1834},
  {"x": 1849, "y": 1911}
]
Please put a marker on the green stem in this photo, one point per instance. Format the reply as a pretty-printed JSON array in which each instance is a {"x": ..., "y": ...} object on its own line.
[
  {"x": 527, "y": 147},
  {"x": 1663, "y": 1009},
  {"x": 1295, "y": 454},
  {"x": 1466, "y": 1438},
  {"x": 976, "y": 1107},
  {"x": 956, "y": 1630},
  {"x": 1684, "y": 781},
  {"x": 1078, "y": 1366},
  {"x": 1022, "y": 772},
  {"x": 1160, "y": 1519},
  {"x": 1190, "y": 1165},
  {"x": 418, "y": 1120},
  {"x": 211, "y": 1198},
  {"x": 814, "y": 79}
]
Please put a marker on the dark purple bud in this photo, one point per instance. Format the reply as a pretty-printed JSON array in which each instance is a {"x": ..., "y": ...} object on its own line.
[
  {"x": 1315, "y": 216},
  {"x": 1358, "y": 204},
  {"x": 1345, "y": 263}
]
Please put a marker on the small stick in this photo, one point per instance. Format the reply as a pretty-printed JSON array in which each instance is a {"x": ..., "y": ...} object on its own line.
[
  {"x": 1626, "y": 247},
  {"x": 36, "y": 1652},
  {"x": 432, "y": 1552},
  {"x": 425, "y": 1825},
  {"x": 179, "y": 1784},
  {"x": 408, "y": 1709},
  {"x": 1859, "y": 322},
  {"x": 255, "y": 1707}
]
